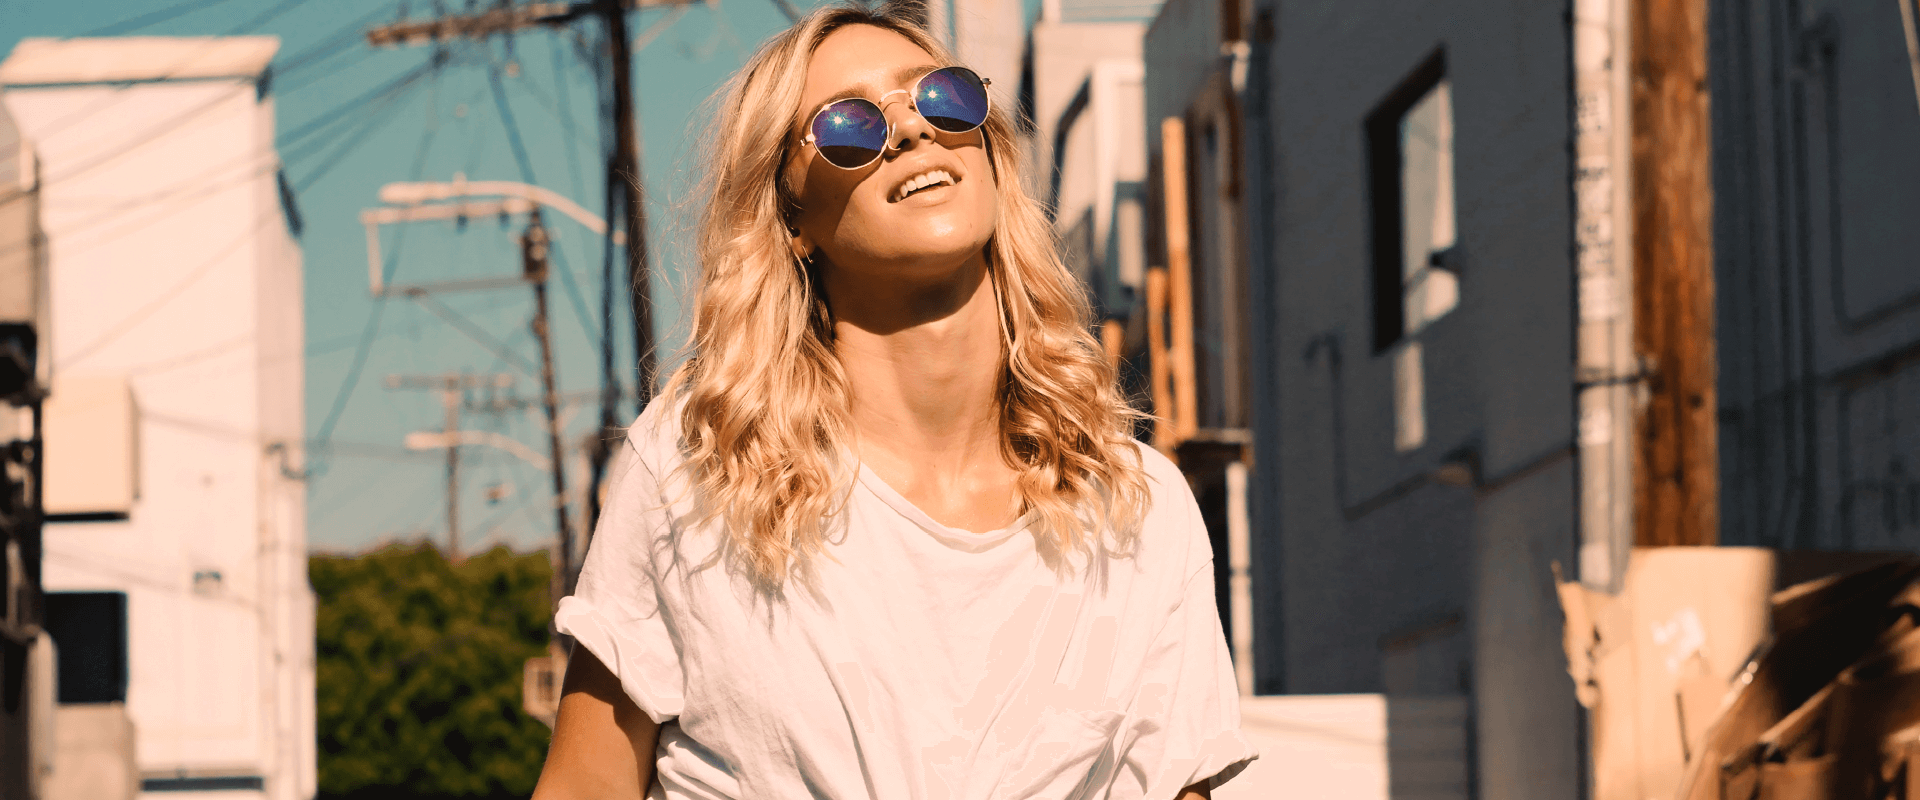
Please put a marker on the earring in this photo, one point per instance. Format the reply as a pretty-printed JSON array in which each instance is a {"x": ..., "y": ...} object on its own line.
[{"x": 797, "y": 244}]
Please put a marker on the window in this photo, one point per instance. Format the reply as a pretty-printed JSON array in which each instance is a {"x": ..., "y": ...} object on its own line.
[
  {"x": 1415, "y": 267},
  {"x": 1410, "y": 148},
  {"x": 90, "y": 630},
  {"x": 1429, "y": 287}
]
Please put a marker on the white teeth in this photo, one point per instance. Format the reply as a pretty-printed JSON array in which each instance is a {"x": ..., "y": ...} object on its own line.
[{"x": 920, "y": 182}]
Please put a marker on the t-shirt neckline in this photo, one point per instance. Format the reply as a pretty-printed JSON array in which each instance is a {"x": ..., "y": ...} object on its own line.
[{"x": 959, "y": 538}]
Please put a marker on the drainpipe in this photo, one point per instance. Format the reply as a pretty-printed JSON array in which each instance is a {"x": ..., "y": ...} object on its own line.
[{"x": 1607, "y": 372}]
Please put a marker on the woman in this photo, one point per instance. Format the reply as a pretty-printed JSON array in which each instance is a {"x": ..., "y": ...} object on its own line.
[{"x": 885, "y": 534}]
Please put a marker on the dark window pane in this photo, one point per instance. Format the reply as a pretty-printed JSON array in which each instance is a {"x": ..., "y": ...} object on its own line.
[{"x": 90, "y": 631}]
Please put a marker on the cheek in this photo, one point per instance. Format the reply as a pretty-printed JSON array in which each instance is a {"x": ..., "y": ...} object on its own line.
[{"x": 988, "y": 198}]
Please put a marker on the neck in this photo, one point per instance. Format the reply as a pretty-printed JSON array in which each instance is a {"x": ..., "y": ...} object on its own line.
[{"x": 923, "y": 362}]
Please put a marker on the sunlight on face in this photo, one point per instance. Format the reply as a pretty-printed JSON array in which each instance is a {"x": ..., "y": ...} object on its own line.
[{"x": 857, "y": 218}]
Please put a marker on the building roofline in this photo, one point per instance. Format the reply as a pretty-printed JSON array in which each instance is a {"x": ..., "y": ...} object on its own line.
[{"x": 120, "y": 60}]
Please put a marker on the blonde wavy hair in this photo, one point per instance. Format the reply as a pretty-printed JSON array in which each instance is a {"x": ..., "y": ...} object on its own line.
[{"x": 764, "y": 405}]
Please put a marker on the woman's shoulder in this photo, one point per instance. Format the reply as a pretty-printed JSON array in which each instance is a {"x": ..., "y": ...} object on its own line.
[
  {"x": 654, "y": 436},
  {"x": 1171, "y": 533},
  {"x": 1163, "y": 476}
]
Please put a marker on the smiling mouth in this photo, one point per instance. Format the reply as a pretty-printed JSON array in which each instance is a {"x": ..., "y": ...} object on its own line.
[{"x": 924, "y": 182}]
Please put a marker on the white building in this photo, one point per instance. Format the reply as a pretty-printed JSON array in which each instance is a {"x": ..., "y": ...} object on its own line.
[{"x": 175, "y": 545}]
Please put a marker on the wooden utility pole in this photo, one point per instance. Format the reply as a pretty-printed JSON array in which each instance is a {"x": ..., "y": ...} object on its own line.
[
  {"x": 534, "y": 248},
  {"x": 1185, "y": 415},
  {"x": 1158, "y": 370},
  {"x": 452, "y": 387},
  {"x": 1676, "y": 460},
  {"x": 626, "y": 168},
  {"x": 623, "y": 168},
  {"x": 625, "y": 171}
]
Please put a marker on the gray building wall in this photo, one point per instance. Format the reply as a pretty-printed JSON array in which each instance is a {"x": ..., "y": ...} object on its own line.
[
  {"x": 1817, "y": 265},
  {"x": 1427, "y": 571}
]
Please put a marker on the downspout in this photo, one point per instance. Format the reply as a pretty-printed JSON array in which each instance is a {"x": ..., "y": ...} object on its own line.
[{"x": 1607, "y": 374}]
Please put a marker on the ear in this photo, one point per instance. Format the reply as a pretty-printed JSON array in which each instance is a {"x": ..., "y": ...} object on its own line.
[{"x": 801, "y": 244}]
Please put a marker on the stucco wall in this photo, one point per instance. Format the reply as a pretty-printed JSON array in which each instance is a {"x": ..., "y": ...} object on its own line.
[
  {"x": 1816, "y": 185},
  {"x": 1375, "y": 549}
]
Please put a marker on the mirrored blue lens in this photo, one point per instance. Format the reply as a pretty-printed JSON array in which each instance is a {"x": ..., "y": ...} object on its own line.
[
  {"x": 952, "y": 99},
  {"x": 850, "y": 133}
]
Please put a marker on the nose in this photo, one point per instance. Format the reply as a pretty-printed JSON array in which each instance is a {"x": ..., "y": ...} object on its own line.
[{"x": 905, "y": 126}]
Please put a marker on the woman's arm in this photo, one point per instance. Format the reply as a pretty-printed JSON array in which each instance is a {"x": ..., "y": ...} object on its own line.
[{"x": 602, "y": 743}]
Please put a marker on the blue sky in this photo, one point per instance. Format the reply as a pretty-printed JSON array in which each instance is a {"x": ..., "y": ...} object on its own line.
[{"x": 339, "y": 149}]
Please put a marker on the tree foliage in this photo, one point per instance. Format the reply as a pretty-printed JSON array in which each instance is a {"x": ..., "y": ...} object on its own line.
[{"x": 419, "y": 666}]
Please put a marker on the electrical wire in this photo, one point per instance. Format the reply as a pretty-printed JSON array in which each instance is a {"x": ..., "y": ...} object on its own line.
[
  {"x": 118, "y": 92},
  {"x": 132, "y": 320},
  {"x": 346, "y": 147},
  {"x": 139, "y": 139},
  {"x": 573, "y": 290},
  {"x": 332, "y": 44},
  {"x": 149, "y": 19},
  {"x": 195, "y": 357},
  {"x": 192, "y": 194},
  {"x": 526, "y": 174},
  {"x": 568, "y": 133},
  {"x": 476, "y": 333},
  {"x": 334, "y": 116},
  {"x": 186, "y": 196},
  {"x": 371, "y": 330},
  {"x": 267, "y": 16},
  {"x": 513, "y": 128},
  {"x": 348, "y": 497}
]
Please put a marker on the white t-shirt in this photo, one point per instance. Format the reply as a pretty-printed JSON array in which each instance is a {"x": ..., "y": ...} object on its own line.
[{"x": 930, "y": 663}]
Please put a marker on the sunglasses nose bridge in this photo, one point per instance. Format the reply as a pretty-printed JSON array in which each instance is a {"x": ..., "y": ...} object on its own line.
[{"x": 903, "y": 123}]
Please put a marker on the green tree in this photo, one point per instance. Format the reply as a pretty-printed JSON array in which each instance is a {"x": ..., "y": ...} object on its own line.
[{"x": 419, "y": 673}]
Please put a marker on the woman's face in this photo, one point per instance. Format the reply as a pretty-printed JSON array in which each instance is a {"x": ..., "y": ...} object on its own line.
[{"x": 858, "y": 219}]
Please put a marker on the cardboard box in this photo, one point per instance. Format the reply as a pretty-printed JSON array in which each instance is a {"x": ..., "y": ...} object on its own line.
[
  {"x": 1811, "y": 715},
  {"x": 1658, "y": 663},
  {"x": 1654, "y": 662}
]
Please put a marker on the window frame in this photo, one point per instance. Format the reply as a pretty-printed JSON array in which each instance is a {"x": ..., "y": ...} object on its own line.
[{"x": 1385, "y": 197}]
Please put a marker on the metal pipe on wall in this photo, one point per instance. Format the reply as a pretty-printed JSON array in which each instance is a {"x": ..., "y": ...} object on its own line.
[{"x": 1607, "y": 373}]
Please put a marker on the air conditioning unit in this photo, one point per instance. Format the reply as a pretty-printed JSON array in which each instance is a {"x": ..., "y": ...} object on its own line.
[{"x": 540, "y": 686}]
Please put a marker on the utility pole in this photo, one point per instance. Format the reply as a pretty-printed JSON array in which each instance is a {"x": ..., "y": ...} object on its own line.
[
  {"x": 626, "y": 167},
  {"x": 452, "y": 387},
  {"x": 1676, "y": 458},
  {"x": 534, "y": 246},
  {"x": 623, "y": 169}
]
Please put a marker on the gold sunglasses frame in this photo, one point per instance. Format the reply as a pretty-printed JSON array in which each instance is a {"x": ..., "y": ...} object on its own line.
[{"x": 910, "y": 92}]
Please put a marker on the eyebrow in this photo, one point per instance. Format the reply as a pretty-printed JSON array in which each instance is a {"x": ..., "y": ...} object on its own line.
[{"x": 900, "y": 76}]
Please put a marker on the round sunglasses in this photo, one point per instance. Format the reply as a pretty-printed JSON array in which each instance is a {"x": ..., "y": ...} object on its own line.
[{"x": 852, "y": 133}]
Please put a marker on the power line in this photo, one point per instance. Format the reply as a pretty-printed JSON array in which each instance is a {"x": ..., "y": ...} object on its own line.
[
  {"x": 333, "y": 116},
  {"x": 372, "y": 328},
  {"x": 283, "y": 87},
  {"x": 149, "y": 19},
  {"x": 513, "y": 128},
  {"x": 118, "y": 93},
  {"x": 188, "y": 195},
  {"x": 139, "y": 139},
  {"x": 573, "y": 294},
  {"x": 373, "y": 124},
  {"x": 475, "y": 332},
  {"x": 267, "y": 16},
  {"x": 194, "y": 193},
  {"x": 526, "y": 174},
  {"x": 568, "y": 134},
  {"x": 333, "y": 43},
  {"x": 128, "y": 322}
]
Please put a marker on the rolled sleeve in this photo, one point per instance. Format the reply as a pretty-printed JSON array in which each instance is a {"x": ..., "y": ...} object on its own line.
[
  {"x": 615, "y": 610},
  {"x": 1188, "y": 686}
]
